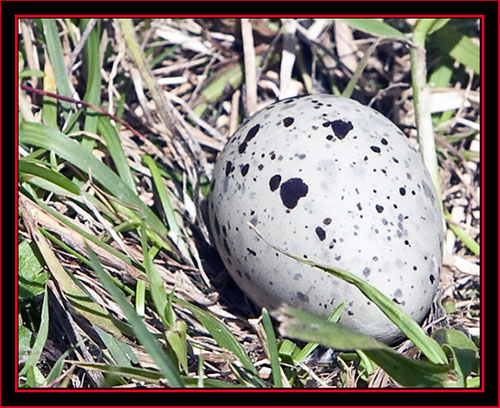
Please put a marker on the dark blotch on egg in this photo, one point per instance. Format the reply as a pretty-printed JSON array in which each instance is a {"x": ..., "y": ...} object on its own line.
[
  {"x": 274, "y": 182},
  {"x": 250, "y": 135},
  {"x": 320, "y": 232},
  {"x": 339, "y": 127},
  {"x": 304, "y": 298},
  {"x": 292, "y": 191},
  {"x": 288, "y": 121},
  {"x": 244, "y": 169}
]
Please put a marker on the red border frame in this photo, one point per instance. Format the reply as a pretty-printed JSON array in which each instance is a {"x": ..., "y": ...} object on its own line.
[{"x": 329, "y": 390}]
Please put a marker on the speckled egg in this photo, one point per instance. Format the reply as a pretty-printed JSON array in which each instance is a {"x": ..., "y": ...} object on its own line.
[{"x": 327, "y": 179}]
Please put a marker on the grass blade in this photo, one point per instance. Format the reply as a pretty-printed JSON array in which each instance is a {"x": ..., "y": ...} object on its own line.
[
  {"x": 462, "y": 235},
  {"x": 374, "y": 27},
  {"x": 152, "y": 346},
  {"x": 221, "y": 334},
  {"x": 273, "y": 349},
  {"x": 310, "y": 347},
  {"x": 68, "y": 149},
  {"x": 459, "y": 46},
  {"x": 115, "y": 148},
  {"x": 406, "y": 324},
  {"x": 175, "y": 230},
  {"x": 85, "y": 305},
  {"x": 156, "y": 287},
  {"x": 26, "y": 167},
  {"x": 92, "y": 90},
  {"x": 40, "y": 340},
  {"x": 56, "y": 56},
  {"x": 406, "y": 371}
]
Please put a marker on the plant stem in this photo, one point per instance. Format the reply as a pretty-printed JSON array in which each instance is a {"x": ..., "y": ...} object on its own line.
[{"x": 421, "y": 101}]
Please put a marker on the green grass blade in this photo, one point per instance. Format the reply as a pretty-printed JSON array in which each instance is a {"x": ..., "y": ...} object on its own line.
[
  {"x": 374, "y": 27},
  {"x": 177, "y": 340},
  {"x": 41, "y": 338},
  {"x": 175, "y": 230},
  {"x": 31, "y": 275},
  {"x": 26, "y": 167},
  {"x": 140, "y": 297},
  {"x": 142, "y": 374},
  {"x": 406, "y": 324},
  {"x": 56, "y": 56},
  {"x": 115, "y": 148},
  {"x": 49, "y": 105},
  {"x": 92, "y": 89},
  {"x": 221, "y": 334},
  {"x": 462, "y": 235},
  {"x": 273, "y": 349},
  {"x": 406, "y": 371},
  {"x": 68, "y": 149},
  {"x": 151, "y": 376},
  {"x": 115, "y": 348},
  {"x": 156, "y": 287},
  {"x": 152, "y": 346},
  {"x": 85, "y": 234},
  {"x": 310, "y": 347},
  {"x": 459, "y": 46},
  {"x": 79, "y": 298},
  {"x": 465, "y": 352},
  {"x": 58, "y": 366}
]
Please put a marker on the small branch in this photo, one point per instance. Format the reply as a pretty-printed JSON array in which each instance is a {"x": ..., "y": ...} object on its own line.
[
  {"x": 87, "y": 105},
  {"x": 250, "y": 74}
]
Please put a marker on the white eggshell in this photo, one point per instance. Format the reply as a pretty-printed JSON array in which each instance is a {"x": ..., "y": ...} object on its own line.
[{"x": 328, "y": 179}]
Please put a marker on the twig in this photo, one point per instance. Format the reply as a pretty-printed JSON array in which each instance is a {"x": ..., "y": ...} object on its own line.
[
  {"x": 87, "y": 105},
  {"x": 249, "y": 56},
  {"x": 288, "y": 58},
  {"x": 92, "y": 22}
]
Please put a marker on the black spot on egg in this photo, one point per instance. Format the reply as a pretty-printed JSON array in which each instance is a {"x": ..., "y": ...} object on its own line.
[
  {"x": 402, "y": 191},
  {"x": 302, "y": 297},
  {"x": 379, "y": 208},
  {"x": 288, "y": 121},
  {"x": 320, "y": 232},
  {"x": 432, "y": 278},
  {"x": 226, "y": 246},
  {"x": 376, "y": 149},
  {"x": 292, "y": 191},
  {"x": 217, "y": 227},
  {"x": 250, "y": 135},
  {"x": 229, "y": 168},
  {"x": 251, "y": 252},
  {"x": 244, "y": 169},
  {"x": 327, "y": 221},
  {"x": 274, "y": 182},
  {"x": 340, "y": 128}
]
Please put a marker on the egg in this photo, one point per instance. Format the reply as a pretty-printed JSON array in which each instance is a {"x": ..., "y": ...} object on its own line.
[{"x": 328, "y": 179}]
